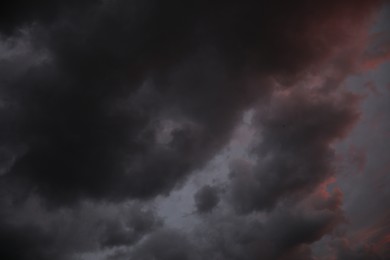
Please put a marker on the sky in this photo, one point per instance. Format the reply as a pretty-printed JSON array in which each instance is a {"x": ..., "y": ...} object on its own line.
[{"x": 192, "y": 130}]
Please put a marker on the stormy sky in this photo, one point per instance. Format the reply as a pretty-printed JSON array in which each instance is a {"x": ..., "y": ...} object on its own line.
[{"x": 192, "y": 130}]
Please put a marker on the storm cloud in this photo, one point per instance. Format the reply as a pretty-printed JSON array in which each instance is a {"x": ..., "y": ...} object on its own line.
[{"x": 107, "y": 107}]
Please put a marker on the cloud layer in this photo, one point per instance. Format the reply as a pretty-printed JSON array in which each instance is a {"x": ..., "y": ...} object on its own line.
[{"x": 106, "y": 106}]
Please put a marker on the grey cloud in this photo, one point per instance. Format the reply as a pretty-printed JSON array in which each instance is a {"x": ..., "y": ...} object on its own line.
[
  {"x": 165, "y": 245},
  {"x": 85, "y": 97},
  {"x": 206, "y": 199},
  {"x": 296, "y": 153}
]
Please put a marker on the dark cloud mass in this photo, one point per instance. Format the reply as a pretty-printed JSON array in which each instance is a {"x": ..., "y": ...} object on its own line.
[
  {"x": 206, "y": 198},
  {"x": 296, "y": 150},
  {"x": 83, "y": 114},
  {"x": 107, "y": 105},
  {"x": 24, "y": 243}
]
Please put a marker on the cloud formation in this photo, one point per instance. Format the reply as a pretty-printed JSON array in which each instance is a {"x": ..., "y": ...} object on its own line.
[{"x": 106, "y": 104}]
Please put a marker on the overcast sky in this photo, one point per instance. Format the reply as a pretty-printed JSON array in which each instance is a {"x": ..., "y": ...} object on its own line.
[{"x": 191, "y": 130}]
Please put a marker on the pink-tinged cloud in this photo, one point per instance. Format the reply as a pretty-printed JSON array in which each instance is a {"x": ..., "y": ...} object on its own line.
[{"x": 373, "y": 61}]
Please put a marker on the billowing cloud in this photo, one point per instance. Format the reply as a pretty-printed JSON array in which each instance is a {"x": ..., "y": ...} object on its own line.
[
  {"x": 109, "y": 104},
  {"x": 89, "y": 111},
  {"x": 296, "y": 153}
]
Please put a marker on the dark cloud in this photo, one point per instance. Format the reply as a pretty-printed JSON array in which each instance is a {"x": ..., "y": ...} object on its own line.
[
  {"x": 89, "y": 114},
  {"x": 20, "y": 243},
  {"x": 103, "y": 102},
  {"x": 295, "y": 155},
  {"x": 29, "y": 231},
  {"x": 19, "y": 13},
  {"x": 206, "y": 199},
  {"x": 80, "y": 141}
]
